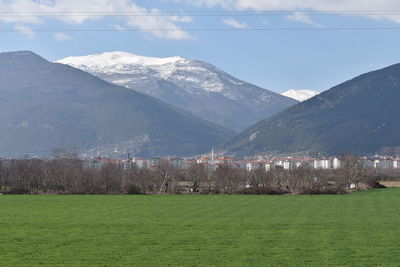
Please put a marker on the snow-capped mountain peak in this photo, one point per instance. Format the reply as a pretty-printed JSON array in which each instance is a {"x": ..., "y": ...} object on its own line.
[
  {"x": 300, "y": 95},
  {"x": 195, "y": 85},
  {"x": 195, "y": 76},
  {"x": 109, "y": 59}
]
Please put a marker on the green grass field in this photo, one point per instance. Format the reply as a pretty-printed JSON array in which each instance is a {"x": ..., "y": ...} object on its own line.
[{"x": 359, "y": 229}]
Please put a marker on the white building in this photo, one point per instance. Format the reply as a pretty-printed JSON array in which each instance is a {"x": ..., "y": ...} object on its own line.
[
  {"x": 322, "y": 164},
  {"x": 287, "y": 165},
  {"x": 267, "y": 167},
  {"x": 396, "y": 164},
  {"x": 249, "y": 167},
  {"x": 335, "y": 163},
  {"x": 141, "y": 163},
  {"x": 279, "y": 163}
]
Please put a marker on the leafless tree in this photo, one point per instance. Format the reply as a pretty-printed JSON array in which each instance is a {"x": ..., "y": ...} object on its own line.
[{"x": 200, "y": 177}]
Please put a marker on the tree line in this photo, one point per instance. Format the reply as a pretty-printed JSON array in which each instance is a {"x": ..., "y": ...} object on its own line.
[{"x": 74, "y": 176}]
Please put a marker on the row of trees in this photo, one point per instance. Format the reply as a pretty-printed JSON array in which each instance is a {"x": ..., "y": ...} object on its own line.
[
  {"x": 72, "y": 176},
  {"x": 352, "y": 176}
]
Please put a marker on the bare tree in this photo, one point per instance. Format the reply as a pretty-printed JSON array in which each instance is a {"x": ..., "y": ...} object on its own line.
[
  {"x": 110, "y": 178},
  {"x": 198, "y": 174}
]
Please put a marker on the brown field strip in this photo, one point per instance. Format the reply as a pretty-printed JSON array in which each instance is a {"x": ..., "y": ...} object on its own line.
[{"x": 390, "y": 184}]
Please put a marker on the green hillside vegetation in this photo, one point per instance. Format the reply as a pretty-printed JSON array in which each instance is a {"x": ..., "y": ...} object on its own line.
[
  {"x": 360, "y": 115},
  {"x": 359, "y": 229}
]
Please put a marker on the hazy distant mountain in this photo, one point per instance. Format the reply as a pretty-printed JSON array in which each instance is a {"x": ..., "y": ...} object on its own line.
[
  {"x": 47, "y": 105},
  {"x": 300, "y": 95},
  {"x": 193, "y": 85},
  {"x": 361, "y": 115}
]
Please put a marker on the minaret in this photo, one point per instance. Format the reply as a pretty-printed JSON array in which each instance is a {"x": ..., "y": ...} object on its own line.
[{"x": 212, "y": 156}]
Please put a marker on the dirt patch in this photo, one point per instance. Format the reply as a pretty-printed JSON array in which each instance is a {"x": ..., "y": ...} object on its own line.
[{"x": 390, "y": 184}]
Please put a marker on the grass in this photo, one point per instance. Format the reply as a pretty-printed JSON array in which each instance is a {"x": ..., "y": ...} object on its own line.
[{"x": 360, "y": 229}]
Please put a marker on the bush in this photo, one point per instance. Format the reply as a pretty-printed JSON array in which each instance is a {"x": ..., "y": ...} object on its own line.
[
  {"x": 133, "y": 190},
  {"x": 17, "y": 191}
]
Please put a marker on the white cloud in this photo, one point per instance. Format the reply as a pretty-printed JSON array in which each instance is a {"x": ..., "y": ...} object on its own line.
[
  {"x": 235, "y": 24},
  {"x": 78, "y": 12},
  {"x": 59, "y": 36},
  {"x": 119, "y": 28},
  {"x": 25, "y": 30},
  {"x": 301, "y": 17},
  {"x": 186, "y": 19},
  {"x": 341, "y": 7},
  {"x": 160, "y": 26},
  {"x": 211, "y": 3}
]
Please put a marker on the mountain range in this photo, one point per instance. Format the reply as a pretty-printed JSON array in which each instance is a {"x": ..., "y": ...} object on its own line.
[
  {"x": 193, "y": 85},
  {"x": 46, "y": 105},
  {"x": 360, "y": 115}
]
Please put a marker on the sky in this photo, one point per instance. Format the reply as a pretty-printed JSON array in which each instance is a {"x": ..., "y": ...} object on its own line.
[{"x": 278, "y": 45}]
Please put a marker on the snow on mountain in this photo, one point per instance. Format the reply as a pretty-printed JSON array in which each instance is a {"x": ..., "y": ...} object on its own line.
[
  {"x": 193, "y": 74},
  {"x": 106, "y": 60},
  {"x": 194, "y": 85},
  {"x": 300, "y": 95}
]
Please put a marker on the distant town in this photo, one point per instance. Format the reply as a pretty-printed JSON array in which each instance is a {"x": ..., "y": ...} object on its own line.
[
  {"x": 257, "y": 163},
  {"x": 287, "y": 163}
]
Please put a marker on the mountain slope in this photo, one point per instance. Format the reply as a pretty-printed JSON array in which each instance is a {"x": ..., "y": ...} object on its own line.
[
  {"x": 194, "y": 85},
  {"x": 300, "y": 95},
  {"x": 46, "y": 105},
  {"x": 360, "y": 115}
]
